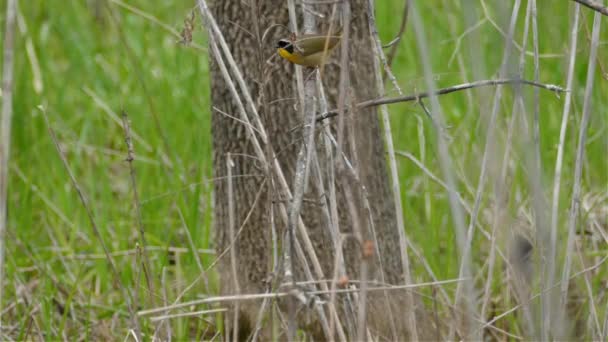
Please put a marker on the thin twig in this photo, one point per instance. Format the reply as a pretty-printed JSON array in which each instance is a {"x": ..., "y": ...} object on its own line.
[
  {"x": 395, "y": 43},
  {"x": 300, "y": 182},
  {"x": 126, "y": 294},
  {"x": 464, "y": 86},
  {"x": 5, "y": 130},
  {"x": 443, "y": 91},
  {"x": 330, "y": 210},
  {"x": 127, "y": 252},
  {"x": 594, "y": 5},
  {"x": 364, "y": 286},
  {"x": 142, "y": 235},
  {"x": 256, "y": 296},
  {"x": 163, "y": 285},
  {"x": 137, "y": 282},
  {"x": 197, "y": 314},
  {"x": 306, "y": 95},
  {"x": 233, "y": 249}
]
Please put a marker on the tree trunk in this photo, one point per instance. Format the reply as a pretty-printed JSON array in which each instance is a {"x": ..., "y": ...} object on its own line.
[{"x": 255, "y": 193}]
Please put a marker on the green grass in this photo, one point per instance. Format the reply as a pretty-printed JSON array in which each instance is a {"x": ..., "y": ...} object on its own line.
[{"x": 91, "y": 64}]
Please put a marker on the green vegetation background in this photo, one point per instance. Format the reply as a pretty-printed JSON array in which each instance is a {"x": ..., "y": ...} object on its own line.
[{"x": 83, "y": 66}]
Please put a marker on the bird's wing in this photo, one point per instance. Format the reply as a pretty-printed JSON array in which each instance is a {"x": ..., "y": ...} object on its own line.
[{"x": 315, "y": 43}]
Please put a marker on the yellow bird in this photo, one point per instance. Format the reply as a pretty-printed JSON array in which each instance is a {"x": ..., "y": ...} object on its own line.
[{"x": 308, "y": 50}]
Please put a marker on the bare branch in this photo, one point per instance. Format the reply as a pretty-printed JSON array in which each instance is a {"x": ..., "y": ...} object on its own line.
[
  {"x": 596, "y": 6},
  {"x": 443, "y": 91}
]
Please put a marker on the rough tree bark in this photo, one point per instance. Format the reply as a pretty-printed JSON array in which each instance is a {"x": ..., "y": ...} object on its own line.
[{"x": 273, "y": 88}]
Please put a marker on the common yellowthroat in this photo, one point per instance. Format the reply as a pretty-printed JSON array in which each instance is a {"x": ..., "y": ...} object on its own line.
[{"x": 308, "y": 50}]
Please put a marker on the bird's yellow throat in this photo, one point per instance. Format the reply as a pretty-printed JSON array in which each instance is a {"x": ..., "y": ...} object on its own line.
[{"x": 288, "y": 56}]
